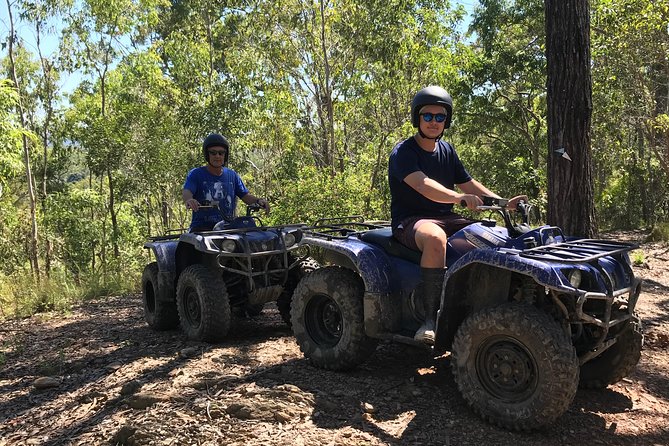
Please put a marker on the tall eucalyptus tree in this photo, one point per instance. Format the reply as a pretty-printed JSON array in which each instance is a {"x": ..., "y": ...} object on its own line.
[
  {"x": 569, "y": 87},
  {"x": 30, "y": 181}
]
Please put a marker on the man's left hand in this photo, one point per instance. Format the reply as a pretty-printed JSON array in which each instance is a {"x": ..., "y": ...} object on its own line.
[{"x": 264, "y": 204}]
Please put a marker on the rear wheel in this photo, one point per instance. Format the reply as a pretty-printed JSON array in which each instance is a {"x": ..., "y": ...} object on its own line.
[
  {"x": 203, "y": 304},
  {"x": 515, "y": 366},
  {"x": 617, "y": 362},
  {"x": 328, "y": 319},
  {"x": 283, "y": 303},
  {"x": 159, "y": 313}
]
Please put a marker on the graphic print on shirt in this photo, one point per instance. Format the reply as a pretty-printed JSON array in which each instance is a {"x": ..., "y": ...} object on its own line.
[{"x": 219, "y": 193}]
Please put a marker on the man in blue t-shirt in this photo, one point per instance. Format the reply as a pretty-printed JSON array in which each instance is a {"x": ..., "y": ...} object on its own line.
[
  {"x": 423, "y": 172},
  {"x": 216, "y": 185}
]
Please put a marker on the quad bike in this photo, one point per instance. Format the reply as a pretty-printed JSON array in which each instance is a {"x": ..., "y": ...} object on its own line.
[
  {"x": 199, "y": 278},
  {"x": 527, "y": 314}
]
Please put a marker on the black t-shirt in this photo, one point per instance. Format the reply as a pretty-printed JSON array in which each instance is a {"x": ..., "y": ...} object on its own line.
[{"x": 442, "y": 165}]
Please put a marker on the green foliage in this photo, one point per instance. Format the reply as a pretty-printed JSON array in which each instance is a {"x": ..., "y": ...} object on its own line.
[
  {"x": 10, "y": 134},
  {"x": 630, "y": 51},
  {"x": 500, "y": 104},
  {"x": 22, "y": 296},
  {"x": 320, "y": 194},
  {"x": 14, "y": 234},
  {"x": 75, "y": 226},
  {"x": 638, "y": 257}
]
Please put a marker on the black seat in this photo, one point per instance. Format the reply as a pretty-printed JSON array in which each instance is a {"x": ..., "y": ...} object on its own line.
[{"x": 384, "y": 238}]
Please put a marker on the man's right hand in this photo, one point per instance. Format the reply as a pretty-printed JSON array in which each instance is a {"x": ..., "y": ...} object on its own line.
[
  {"x": 471, "y": 201},
  {"x": 192, "y": 204}
]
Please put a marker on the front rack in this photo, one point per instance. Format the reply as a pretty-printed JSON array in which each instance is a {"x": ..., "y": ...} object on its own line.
[{"x": 577, "y": 251}]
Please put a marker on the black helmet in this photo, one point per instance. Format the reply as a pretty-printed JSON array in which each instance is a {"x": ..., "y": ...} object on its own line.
[
  {"x": 431, "y": 95},
  {"x": 214, "y": 139}
]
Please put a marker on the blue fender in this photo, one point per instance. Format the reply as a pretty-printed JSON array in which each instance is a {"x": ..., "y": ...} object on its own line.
[
  {"x": 545, "y": 273},
  {"x": 165, "y": 254},
  {"x": 380, "y": 275}
]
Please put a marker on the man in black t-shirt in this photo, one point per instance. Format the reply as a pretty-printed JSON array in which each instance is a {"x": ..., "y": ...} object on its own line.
[{"x": 423, "y": 172}]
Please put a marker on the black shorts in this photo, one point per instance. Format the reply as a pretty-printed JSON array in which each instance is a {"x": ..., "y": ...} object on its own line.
[{"x": 450, "y": 224}]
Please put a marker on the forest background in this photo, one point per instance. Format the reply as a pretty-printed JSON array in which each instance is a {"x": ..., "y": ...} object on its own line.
[{"x": 312, "y": 95}]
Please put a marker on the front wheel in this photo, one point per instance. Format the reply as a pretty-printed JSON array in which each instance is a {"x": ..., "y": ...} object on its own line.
[
  {"x": 203, "y": 304},
  {"x": 159, "y": 313},
  {"x": 515, "y": 366},
  {"x": 618, "y": 361},
  {"x": 328, "y": 319}
]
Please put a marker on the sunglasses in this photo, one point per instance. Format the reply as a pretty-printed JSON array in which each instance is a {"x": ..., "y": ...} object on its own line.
[
  {"x": 439, "y": 117},
  {"x": 217, "y": 152}
]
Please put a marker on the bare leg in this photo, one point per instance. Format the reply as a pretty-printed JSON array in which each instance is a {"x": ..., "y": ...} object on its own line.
[{"x": 431, "y": 240}]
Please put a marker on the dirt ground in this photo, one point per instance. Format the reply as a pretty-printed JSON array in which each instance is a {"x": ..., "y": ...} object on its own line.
[{"x": 100, "y": 376}]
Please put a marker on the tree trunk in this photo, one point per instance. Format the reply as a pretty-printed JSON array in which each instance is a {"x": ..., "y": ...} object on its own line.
[
  {"x": 327, "y": 92},
  {"x": 569, "y": 89},
  {"x": 33, "y": 252},
  {"x": 164, "y": 210},
  {"x": 48, "y": 106},
  {"x": 112, "y": 214}
]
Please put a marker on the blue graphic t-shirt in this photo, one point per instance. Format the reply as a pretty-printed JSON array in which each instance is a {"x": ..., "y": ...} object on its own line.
[
  {"x": 219, "y": 190},
  {"x": 441, "y": 165}
]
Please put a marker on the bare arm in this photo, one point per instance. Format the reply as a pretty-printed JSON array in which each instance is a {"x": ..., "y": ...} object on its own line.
[
  {"x": 189, "y": 201},
  {"x": 434, "y": 191},
  {"x": 472, "y": 189}
]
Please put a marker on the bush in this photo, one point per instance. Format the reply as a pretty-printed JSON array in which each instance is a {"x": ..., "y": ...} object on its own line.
[{"x": 22, "y": 296}]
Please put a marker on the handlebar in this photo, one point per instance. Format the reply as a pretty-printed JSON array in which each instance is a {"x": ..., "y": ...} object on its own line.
[
  {"x": 250, "y": 208},
  {"x": 500, "y": 205},
  {"x": 489, "y": 203}
]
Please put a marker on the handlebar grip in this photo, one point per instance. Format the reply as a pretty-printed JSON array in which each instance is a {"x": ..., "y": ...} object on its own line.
[{"x": 463, "y": 203}]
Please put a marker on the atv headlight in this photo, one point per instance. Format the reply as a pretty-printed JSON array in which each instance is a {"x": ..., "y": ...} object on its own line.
[
  {"x": 574, "y": 276},
  {"x": 290, "y": 238},
  {"x": 228, "y": 245}
]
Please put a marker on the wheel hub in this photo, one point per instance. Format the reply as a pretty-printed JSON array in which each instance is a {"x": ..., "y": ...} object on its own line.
[
  {"x": 323, "y": 320},
  {"x": 193, "y": 311},
  {"x": 507, "y": 369}
]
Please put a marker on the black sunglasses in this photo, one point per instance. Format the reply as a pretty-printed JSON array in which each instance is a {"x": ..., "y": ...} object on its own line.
[
  {"x": 217, "y": 152},
  {"x": 439, "y": 117}
]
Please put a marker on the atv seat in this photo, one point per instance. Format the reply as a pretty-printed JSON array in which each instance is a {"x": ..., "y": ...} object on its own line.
[{"x": 384, "y": 238}]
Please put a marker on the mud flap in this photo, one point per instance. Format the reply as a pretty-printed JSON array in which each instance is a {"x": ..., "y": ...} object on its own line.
[
  {"x": 381, "y": 314},
  {"x": 166, "y": 287}
]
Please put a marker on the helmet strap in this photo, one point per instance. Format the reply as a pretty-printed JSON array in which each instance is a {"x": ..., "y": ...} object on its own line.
[{"x": 426, "y": 137}]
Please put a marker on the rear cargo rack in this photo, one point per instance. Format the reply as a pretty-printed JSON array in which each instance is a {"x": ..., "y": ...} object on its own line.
[{"x": 343, "y": 227}]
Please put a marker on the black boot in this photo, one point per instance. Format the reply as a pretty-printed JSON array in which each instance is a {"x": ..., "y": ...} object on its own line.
[{"x": 432, "y": 281}]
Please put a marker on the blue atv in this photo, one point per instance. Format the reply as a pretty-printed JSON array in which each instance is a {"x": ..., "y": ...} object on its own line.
[
  {"x": 527, "y": 314},
  {"x": 199, "y": 279}
]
